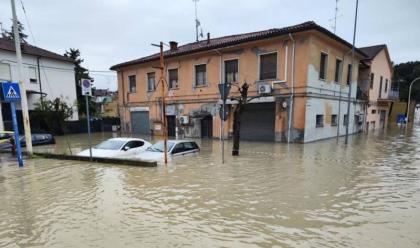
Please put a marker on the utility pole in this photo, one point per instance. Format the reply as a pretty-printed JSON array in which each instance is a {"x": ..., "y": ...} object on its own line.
[
  {"x": 162, "y": 81},
  {"x": 351, "y": 74},
  {"x": 24, "y": 101},
  {"x": 409, "y": 100}
]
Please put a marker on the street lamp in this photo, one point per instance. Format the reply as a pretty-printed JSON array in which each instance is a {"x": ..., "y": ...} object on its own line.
[{"x": 409, "y": 97}]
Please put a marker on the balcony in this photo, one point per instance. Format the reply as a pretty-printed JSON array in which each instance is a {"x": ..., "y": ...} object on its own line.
[
  {"x": 391, "y": 96},
  {"x": 361, "y": 94}
]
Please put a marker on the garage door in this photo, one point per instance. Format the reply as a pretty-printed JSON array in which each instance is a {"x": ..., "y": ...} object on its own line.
[
  {"x": 257, "y": 122},
  {"x": 140, "y": 122}
]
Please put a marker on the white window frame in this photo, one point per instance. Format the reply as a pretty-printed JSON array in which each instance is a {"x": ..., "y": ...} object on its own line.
[
  {"x": 259, "y": 65},
  {"x": 195, "y": 76},
  {"x": 224, "y": 69}
]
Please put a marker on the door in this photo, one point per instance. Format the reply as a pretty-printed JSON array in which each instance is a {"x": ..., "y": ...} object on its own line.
[
  {"x": 171, "y": 122},
  {"x": 382, "y": 116},
  {"x": 140, "y": 122},
  {"x": 207, "y": 127},
  {"x": 258, "y": 121}
]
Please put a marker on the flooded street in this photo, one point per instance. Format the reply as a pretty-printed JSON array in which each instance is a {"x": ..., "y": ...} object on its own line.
[{"x": 322, "y": 194}]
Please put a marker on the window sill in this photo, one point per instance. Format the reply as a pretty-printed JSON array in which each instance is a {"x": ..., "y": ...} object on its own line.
[
  {"x": 150, "y": 91},
  {"x": 177, "y": 88},
  {"x": 201, "y": 86},
  {"x": 134, "y": 92},
  {"x": 267, "y": 80},
  {"x": 319, "y": 126},
  {"x": 333, "y": 125}
]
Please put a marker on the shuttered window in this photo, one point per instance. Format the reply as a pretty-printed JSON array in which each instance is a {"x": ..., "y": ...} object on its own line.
[
  {"x": 323, "y": 66},
  {"x": 268, "y": 66},
  {"x": 231, "y": 71},
  {"x": 5, "y": 74},
  {"x": 200, "y": 75},
  {"x": 338, "y": 70}
]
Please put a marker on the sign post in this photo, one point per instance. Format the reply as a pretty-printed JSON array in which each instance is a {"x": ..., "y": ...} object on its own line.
[
  {"x": 87, "y": 91},
  {"x": 224, "y": 90},
  {"x": 11, "y": 94}
]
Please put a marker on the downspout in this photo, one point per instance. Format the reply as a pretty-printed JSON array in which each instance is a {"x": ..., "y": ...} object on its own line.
[
  {"x": 39, "y": 77},
  {"x": 123, "y": 100},
  {"x": 292, "y": 91}
]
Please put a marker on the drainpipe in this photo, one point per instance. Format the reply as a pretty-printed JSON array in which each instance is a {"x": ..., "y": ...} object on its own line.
[
  {"x": 39, "y": 77},
  {"x": 292, "y": 91}
]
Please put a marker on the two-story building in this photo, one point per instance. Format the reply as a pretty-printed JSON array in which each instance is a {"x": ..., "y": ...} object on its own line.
[
  {"x": 45, "y": 73},
  {"x": 376, "y": 74},
  {"x": 301, "y": 76}
]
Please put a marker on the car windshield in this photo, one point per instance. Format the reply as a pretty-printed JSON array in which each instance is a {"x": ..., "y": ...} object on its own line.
[
  {"x": 158, "y": 146},
  {"x": 110, "y": 145}
]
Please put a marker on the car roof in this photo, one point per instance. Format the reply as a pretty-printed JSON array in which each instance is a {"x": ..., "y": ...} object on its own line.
[
  {"x": 180, "y": 141},
  {"x": 126, "y": 139}
]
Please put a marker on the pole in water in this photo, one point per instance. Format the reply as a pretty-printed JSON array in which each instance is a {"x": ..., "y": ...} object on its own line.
[
  {"x": 88, "y": 126},
  {"x": 16, "y": 134}
]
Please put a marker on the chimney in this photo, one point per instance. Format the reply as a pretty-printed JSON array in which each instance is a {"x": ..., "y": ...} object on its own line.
[
  {"x": 208, "y": 38},
  {"x": 173, "y": 45}
]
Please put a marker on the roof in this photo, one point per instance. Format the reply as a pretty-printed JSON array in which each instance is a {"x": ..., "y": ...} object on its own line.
[
  {"x": 372, "y": 51},
  {"x": 231, "y": 40},
  {"x": 9, "y": 45}
]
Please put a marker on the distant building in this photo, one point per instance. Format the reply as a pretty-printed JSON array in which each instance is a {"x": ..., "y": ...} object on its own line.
[
  {"x": 45, "y": 73},
  {"x": 107, "y": 102},
  {"x": 376, "y": 77},
  {"x": 302, "y": 73}
]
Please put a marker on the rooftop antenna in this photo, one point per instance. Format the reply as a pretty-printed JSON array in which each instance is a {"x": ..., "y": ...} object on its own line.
[
  {"x": 335, "y": 16},
  {"x": 197, "y": 22}
]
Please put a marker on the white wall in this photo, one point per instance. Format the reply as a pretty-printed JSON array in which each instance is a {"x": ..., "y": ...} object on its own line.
[{"x": 57, "y": 79}]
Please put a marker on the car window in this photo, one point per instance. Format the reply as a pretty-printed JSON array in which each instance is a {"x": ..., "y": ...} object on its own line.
[
  {"x": 110, "y": 145},
  {"x": 178, "y": 148},
  {"x": 134, "y": 144}
]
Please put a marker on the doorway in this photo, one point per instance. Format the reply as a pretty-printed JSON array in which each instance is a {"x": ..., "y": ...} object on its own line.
[
  {"x": 207, "y": 127},
  {"x": 171, "y": 122}
]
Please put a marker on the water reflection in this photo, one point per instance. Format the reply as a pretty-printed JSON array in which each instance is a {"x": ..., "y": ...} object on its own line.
[{"x": 323, "y": 194}]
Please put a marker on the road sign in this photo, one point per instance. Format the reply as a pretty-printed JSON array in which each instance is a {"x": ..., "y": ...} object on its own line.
[
  {"x": 11, "y": 92},
  {"x": 224, "y": 90},
  {"x": 224, "y": 114},
  {"x": 86, "y": 87}
]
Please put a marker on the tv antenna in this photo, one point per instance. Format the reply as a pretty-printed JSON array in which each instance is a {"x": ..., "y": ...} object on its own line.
[
  {"x": 335, "y": 16},
  {"x": 197, "y": 23}
]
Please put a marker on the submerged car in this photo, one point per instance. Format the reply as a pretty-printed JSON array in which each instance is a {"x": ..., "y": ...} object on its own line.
[
  {"x": 117, "y": 148},
  {"x": 175, "y": 148},
  {"x": 38, "y": 139}
]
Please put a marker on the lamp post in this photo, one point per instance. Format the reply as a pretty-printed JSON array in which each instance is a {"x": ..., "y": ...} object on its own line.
[{"x": 409, "y": 98}]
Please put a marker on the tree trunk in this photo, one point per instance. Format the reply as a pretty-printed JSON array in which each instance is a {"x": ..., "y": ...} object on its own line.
[{"x": 236, "y": 129}]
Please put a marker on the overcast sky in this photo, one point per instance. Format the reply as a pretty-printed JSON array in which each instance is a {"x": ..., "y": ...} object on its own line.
[{"x": 113, "y": 31}]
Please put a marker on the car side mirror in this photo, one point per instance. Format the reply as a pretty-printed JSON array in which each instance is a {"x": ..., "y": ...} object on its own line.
[{"x": 126, "y": 148}]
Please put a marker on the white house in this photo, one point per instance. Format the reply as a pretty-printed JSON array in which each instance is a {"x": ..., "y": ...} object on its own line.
[{"x": 45, "y": 73}]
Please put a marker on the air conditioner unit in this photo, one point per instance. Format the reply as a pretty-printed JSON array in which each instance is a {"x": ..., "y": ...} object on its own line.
[
  {"x": 264, "y": 89},
  {"x": 184, "y": 119}
]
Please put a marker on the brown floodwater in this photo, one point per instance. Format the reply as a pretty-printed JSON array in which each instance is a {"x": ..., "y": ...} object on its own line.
[{"x": 323, "y": 194}]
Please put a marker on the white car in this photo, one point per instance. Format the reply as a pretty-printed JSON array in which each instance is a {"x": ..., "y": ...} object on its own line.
[
  {"x": 117, "y": 148},
  {"x": 175, "y": 148}
]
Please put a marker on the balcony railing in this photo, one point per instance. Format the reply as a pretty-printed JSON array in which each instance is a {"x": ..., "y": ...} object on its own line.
[
  {"x": 361, "y": 95},
  {"x": 393, "y": 95}
]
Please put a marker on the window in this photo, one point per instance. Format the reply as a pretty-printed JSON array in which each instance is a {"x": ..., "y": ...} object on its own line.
[
  {"x": 132, "y": 83},
  {"x": 372, "y": 77},
  {"x": 151, "y": 81},
  {"x": 319, "y": 120},
  {"x": 338, "y": 70},
  {"x": 200, "y": 75},
  {"x": 345, "y": 120},
  {"x": 349, "y": 76},
  {"x": 380, "y": 86},
  {"x": 173, "y": 78},
  {"x": 5, "y": 72},
  {"x": 268, "y": 66},
  {"x": 134, "y": 144},
  {"x": 323, "y": 66},
  {"x": 334, "y": 120},
  {"x": 32, "y": 75},
  {"x": 386, "y": 85},
  {"x": 178, "y": 148},
  {"x": 231, "y": 71},
  {"x": 373, "y": 111}
]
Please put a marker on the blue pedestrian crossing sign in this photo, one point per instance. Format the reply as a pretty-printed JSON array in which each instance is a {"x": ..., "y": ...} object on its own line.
[{"x": 11, "y": 92}]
